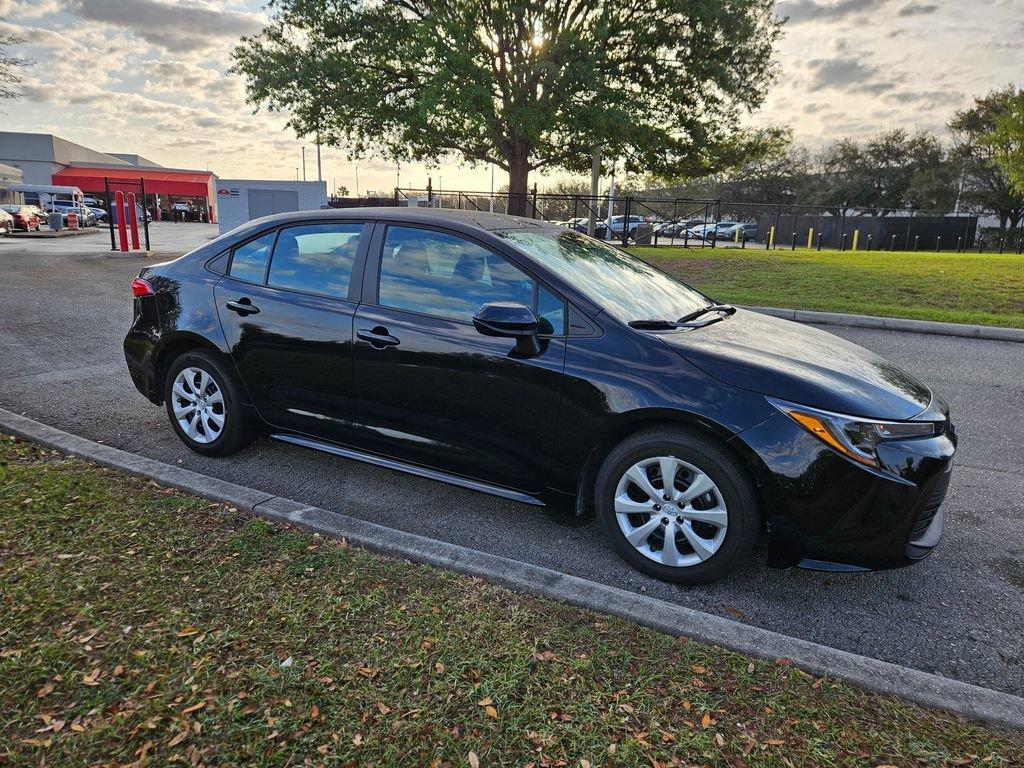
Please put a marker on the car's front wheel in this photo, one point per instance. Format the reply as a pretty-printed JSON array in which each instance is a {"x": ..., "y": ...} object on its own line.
[
  {"x": 204, "y": 406},
  {"x": 677, "y": 505}
]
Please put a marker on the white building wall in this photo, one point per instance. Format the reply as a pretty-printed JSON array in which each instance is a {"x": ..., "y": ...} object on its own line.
[
  {"x": 236, "y": 206},
  {"x": 34, "y": 171}
]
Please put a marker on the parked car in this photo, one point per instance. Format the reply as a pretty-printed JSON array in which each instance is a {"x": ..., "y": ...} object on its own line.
[
  {"x": 23, "y": 217},
  {"x": 101, "y": 215},
  {"x": 537, "y": 364},
  {"x": 86, "y": 218},
  {"x": 618, "y": 223},
  {"x": 727, "y": 231},
  {"x": 39, "y": 212},
  {"x": 6, "y": 222}
]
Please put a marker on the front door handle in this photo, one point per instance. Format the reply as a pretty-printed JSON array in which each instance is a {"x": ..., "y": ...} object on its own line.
[
  {"x": 243, "y": 306},
  {"x": 378, "y": 337}
]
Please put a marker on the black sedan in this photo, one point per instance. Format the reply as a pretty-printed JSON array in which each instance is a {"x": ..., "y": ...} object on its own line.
[{"x": 529, "y": 361}]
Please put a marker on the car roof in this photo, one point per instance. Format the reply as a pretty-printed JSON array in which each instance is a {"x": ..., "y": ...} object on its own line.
[{"x": 482, "y": 219}]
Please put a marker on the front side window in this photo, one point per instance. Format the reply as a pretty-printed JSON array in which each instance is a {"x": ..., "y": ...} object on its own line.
[
  {"x": 249, "y": 261},
  {"x": 315, "y": 258},
  {"x": 435, "y": 273}
]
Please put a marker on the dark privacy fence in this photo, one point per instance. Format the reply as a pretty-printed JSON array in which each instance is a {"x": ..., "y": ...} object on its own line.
[
  {"x": 889, "y": 233},
  {"x": 672, "y": 221}
]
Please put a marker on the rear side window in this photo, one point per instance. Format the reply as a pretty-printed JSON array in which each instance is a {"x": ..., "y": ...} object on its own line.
[
  {"x": 316, "y": 258},
  {"x": 249, "y": 261}
]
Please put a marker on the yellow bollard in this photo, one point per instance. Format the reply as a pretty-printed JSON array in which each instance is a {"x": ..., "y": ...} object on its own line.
[
  {"x": 737, "y": 237},
  {"x": 856, "y": 237},
  {"x": 771, "y": 237},
  {"x": 810, "y": 238}
]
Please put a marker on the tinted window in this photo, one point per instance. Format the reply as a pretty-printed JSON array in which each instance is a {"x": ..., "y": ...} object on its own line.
[
  {"x": 316, "y": 258},
  {"x": 249, "y": 261},
  {"x": 550, "y": 312},
  {"x": 444, "y": 275}
]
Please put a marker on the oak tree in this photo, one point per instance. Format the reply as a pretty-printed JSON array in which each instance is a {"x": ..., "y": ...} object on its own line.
[{"x": 525, "y": 84}]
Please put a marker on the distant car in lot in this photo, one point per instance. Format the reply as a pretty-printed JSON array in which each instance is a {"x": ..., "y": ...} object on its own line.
[
  {"x": 86, "y": 218},
  {"x": 618, "y": 223},
  {"x": 101, "y": 215},
  {"x": 23, "y": 216},
  {"x": 6, "y": 222},
  {"x": 728, "y": 230},
  {"x": 537, "y": 364}
]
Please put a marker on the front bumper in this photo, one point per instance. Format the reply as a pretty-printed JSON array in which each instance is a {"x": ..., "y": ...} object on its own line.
[{"x": 827, "y": 512}]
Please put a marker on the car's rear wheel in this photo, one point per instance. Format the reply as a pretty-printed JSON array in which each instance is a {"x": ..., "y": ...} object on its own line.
[
  {"x": 203, "y": 404},
  {"x": 678, "y": 505}
]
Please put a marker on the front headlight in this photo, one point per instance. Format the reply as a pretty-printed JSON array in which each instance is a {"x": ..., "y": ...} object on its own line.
[{"x": 852, "y": 436}]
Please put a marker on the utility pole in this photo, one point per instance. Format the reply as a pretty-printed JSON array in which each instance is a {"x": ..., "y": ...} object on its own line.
[
  {"x": 595, "y": 181},
  {"x": 319, "y": 177},
  {"x": 398, "y": 175},
  {"x": 357, "y": 181},
  {"x": 492, "y": 187},
  {"x": 303, "y": 163},
  {"x": 611, "y": 199}
]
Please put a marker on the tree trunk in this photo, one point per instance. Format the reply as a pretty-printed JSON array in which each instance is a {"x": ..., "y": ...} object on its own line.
[{"x": 518, "y": 175}]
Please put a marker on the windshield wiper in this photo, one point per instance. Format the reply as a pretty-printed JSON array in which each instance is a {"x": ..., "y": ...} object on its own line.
[
  {"x": 726, "y": 308},
  {"x": 653, "y": 325}
]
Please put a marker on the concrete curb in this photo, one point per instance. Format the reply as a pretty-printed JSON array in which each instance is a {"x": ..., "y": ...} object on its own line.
[
  {"x": 895, "y": 324},
  {"x": 964, "y": 699}
]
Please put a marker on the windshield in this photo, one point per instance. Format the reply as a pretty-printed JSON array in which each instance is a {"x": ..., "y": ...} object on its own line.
[{"x": 623, "y": 285}]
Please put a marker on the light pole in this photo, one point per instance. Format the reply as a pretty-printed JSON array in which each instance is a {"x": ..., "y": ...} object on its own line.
[{"x": 303, "y": 163}]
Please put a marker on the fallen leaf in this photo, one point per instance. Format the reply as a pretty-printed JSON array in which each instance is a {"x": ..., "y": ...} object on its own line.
[
  {"x": 485, "y": 702},
  {"x": 178, "y": 739},
  {"x": 439, "y": 668},
  {"x": 357, "y": 739},
  {"x": 314, "y": 712},
  {"x": 474, "y": 761},
  {"x": 698, "y": 669},
  {"x": 92, "y": 678},
  {"x": 194, "y": 707},
  {"x": 188, "y": 632},
  {"x": 45, "y": 690},
  {"x": 706, "y": 720},
  {"x": 491, "y": 712},
  {"x": 783, "y": 662},
  {"x": 584, "y": 763}
]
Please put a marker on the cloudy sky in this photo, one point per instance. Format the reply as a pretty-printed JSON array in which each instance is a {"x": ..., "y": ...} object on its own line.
[{"x": 148, "y": 76}]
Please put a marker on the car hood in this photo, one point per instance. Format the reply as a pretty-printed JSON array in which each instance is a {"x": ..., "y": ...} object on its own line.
[{"x": 801, "y": 364}]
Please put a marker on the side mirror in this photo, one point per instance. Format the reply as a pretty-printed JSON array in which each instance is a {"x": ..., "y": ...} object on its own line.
[{"x": 512, "y": 320}]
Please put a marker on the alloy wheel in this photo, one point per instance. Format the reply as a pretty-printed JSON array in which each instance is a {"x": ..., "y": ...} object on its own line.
[
  {"x": 671, "y": 511},
  {"x": 198, "y": 405}
]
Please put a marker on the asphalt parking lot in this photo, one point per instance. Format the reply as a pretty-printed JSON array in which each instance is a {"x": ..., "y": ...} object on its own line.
[{"x": 959, "y": 614}]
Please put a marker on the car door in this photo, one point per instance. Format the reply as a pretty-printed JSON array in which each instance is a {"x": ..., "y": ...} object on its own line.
[
  {"x": 429, "y": 388},
  {"x": 286, "y": 305}
]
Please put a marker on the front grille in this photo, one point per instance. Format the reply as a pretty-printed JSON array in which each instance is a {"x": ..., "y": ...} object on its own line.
[{"x": 931, "y": 506}]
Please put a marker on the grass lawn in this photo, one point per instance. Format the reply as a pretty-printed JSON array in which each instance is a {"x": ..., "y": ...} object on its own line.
[
  {"x": 986, "y": 289},
  {"x": 141, "y": 625}
]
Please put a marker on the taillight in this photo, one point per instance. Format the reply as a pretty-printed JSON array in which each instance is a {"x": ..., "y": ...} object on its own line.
[{"x": 141, "y": 288}]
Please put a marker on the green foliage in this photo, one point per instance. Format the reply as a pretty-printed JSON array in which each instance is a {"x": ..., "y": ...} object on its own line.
[
  {"x": 986, "y": 184},
  {"x": 523, "y": 84},
  {"x": 1007, "y": 141}
]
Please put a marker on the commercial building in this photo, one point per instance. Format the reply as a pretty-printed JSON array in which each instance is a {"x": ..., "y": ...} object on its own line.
[
  {"x": 240, "y": 200},
  {"x": 45, "y": 159},
  {"x": 10, "y": 178},
  {"x": 48, "y": 161}
]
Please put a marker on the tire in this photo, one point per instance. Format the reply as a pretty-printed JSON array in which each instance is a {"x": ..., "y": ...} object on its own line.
[
  {"x": 222, "y": 428},
  {"x": 723, "y": 548}
]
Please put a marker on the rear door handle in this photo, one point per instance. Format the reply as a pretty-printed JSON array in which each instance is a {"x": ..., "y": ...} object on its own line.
[
  {"x": 378, "y": 337},
  {"x": 243, "y": 307}
]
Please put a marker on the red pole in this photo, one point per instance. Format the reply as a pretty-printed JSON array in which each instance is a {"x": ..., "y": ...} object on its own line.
[
  {"x": 133, "y": 219},
  {"x": 122, "y": 228}
]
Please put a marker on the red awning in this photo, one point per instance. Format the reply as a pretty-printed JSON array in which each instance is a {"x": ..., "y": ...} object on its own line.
[{"x": 184, "y": 183}]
